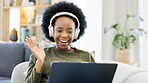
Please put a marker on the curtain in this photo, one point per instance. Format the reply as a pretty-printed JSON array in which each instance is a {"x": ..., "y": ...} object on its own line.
[{"x": 143, "y": 41}]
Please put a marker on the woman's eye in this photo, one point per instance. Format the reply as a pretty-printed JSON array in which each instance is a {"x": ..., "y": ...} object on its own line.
[
  {"x": 59, "y": 30},
  {"x": 69, "y": 32}
]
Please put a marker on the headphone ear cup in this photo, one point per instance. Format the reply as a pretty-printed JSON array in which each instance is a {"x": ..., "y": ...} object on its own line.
[
  {"x": 50, "y": 30},
  {"x": 77, "y": 33}
]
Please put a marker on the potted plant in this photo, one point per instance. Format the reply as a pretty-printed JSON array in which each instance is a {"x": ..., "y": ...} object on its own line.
[{"x": 124, "y": 38}]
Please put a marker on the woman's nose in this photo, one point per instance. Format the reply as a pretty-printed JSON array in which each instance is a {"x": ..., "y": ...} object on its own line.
[{"x": 64, "y": 34}]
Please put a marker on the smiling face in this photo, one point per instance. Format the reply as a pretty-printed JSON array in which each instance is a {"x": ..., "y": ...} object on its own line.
[{"x": 64, "y": 29}]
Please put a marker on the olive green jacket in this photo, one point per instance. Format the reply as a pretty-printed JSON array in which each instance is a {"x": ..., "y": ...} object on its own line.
[{"x": 52, "y": 54}]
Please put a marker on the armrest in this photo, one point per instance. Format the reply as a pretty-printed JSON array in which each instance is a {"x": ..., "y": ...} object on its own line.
[
  {"x": 141, "y": 77},
  {"x": 18, "y": 75}
]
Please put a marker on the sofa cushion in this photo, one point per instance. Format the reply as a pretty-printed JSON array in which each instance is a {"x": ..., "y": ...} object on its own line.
[
  {"x": 11, "y": 54},
  {"x": 5, "y": 81},
  {"x": 18, "y": 75},
  {"x": 4, "y": 78},
  {"x": 27, "y": 53},
  {"x": 140, "y": 77}
]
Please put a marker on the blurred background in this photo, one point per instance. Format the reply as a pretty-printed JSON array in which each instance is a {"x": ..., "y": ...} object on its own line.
[{"x": 21, "y": 18}]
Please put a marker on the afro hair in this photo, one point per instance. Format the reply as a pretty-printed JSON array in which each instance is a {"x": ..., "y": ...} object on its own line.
[{"x": 63, "y": 7}]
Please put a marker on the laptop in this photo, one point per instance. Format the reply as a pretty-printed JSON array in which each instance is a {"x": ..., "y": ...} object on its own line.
[{"x": 68, "y": 72}]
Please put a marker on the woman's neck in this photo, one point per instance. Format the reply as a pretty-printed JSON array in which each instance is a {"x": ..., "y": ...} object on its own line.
[{"x": 67, "y": 50}]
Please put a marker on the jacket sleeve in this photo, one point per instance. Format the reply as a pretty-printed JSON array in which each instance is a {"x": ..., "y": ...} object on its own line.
[{"x": 32, "y": 76}]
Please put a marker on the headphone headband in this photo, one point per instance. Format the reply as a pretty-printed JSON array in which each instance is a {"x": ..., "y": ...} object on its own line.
[{"x": 65, "y": 13}]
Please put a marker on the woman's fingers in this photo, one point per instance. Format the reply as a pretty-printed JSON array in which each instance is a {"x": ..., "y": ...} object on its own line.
[
  {"x": 30, "y": 42},
  {"x": 33, "y": 44},
  {"x": 42, "y": 50},
  {"x": 27, "y": 45},
  {"x": 27, "y": 42},
  {"x": 40, "y": 46}
]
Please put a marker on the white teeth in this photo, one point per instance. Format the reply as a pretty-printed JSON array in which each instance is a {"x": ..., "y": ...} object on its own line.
[{"x": 63, "y": 41}]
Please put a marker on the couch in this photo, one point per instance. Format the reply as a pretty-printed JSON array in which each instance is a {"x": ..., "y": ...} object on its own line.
[
  {"x": 14, "y": 59},
  {"x": 11, "y": 54}
]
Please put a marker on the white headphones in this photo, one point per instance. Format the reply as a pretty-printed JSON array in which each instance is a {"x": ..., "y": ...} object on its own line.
[{"x": 50, "y": 28}]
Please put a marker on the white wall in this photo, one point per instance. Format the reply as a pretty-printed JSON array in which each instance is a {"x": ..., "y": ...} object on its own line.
[
  {"x": 114, "y": 11},
  {"x": 87, "y": 41},
  {"x": 109, "y": 17},
  {"x": 98, "y": 50},
  {"x": 91, "y": 40}
]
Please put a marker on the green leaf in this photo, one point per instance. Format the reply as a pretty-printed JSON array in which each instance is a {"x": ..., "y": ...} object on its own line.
[
  {"x": 127, "y": 16},
  {"x": 132, "y": 37},
  {"x": 106, "y": 29},
  {"x": 141, "y": 31},
  {"x": 138, "y": 17},
  {"x": 116, "y": 40},
  {"x": 131, "y": 29},
  {"x": 133, "y": 42},
  {"x": 115, "y": 43},
  {"x": 115, "y": 26},
  {"x": 126, "y": 39},
  {"x": 110, "y": 27}
]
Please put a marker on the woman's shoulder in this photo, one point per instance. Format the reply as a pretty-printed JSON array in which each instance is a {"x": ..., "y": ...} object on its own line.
[
  {"x": 48, "y": 48},
  {"x": 81, "y": 51}
]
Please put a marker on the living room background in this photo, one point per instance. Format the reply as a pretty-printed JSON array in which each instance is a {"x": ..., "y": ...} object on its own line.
[{"x": 101, "y": 13}]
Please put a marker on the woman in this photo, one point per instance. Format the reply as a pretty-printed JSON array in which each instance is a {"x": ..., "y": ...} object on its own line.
[{"x": 63, "y": 23}]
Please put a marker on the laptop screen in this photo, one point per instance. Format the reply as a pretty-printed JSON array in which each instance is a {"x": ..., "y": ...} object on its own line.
[{"x": 63, "y": 72}]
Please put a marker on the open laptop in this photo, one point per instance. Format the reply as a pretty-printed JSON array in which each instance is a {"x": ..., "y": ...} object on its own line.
[{"x": 65, "y": 72}]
